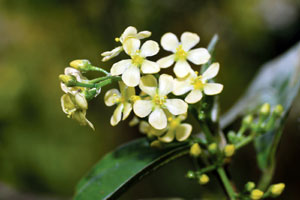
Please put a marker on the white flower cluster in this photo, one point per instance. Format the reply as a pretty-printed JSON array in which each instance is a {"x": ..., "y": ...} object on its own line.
[{"x": 161, "y": 96}]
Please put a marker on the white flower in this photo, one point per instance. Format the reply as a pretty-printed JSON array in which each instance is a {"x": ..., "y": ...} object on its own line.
[
  {"x": 176, "y": 129},
  {"x": 129, "y": 33},
  {"x": 157, "y": 104},
  {"x": 130, "y": 68},
  {"x": 122, "y": 100},
  {"x": 182, "y": 53},
  {"x": 80, "y": 78},
  {"x": 198, "y": 84}
]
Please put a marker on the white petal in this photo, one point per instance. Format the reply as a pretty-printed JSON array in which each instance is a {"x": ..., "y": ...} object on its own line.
[
  {"x": 194, "y": 96},
  {"x": 182, "y": 68},
  {"x": 183, "y": 131},
  {"x": 168, "y": 137},
  {"x": 116, "y": 117},
  {"x": 127, "y": 109},
  {"x": 149, "y": 48},
  {"x": 198, "y": 56},
  {"x": 142, "y": 108},
  {"x": 165, "y": 84},
  {"x": 131, "y": 76},
  {"x": 211, "y": 71},
  {"x": 148, "y": 84},
  {"x": 131, "y": 45},
  {"x": 143, "y": 34},
  {"x": 111, "y": 96},
  {"x": 189, "y": 40},
  {"x": 169, "y": 42},
  {"x": 176, "y": 106},
  {"x": 181, "y": 86},
  {"x": 166, "y": 62},
  {"x": 149, "y": 67},
  {"x": 128, "y": 32},
  {"x": 119, "y": 67},
  {"x": 158, "y": 119},
  {"x": 213, "y": 88}
]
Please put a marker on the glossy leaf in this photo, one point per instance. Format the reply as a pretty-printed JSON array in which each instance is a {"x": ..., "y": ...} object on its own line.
[
  {"x": 113, "y": 174},
  {"x": 277, "y": 82}
]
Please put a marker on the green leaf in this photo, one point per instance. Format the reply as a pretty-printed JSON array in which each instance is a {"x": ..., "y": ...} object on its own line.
[
  {"x": 277, "y": 82},
  {"x": 113, "y": 174}
]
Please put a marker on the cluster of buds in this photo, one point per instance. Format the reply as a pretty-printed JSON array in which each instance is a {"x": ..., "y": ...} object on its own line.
[
  {"x": 250, "y": 191},
  {"x": 264, "y": 122}
]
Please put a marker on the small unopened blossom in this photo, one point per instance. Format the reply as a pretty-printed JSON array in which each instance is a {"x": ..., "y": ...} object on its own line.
[
  {"x": 146, "y": 128},
  {"x": 130, "y": 68},
  {"x": 182, "y": 53},
  {"x": 122, "y": 99},
  {"x": 129, "y": 33},
  {"x": 197, "y": 84},
  {"x": 176, "y": 129},
  {"x": 158, "y": 102},
  {"x": 69, "y": 71},
  {"x": 75, "y": 106}
]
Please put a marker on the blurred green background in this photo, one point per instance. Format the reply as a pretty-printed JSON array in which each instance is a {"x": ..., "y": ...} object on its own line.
[{"x": 43, "y": 153}]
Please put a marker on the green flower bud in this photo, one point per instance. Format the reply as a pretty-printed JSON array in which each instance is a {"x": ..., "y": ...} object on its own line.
[
  {"x": 212, "y": 148},
  {"x": 203, "y": 179},
  {"x": 249, "y": 186},
  {"x": 278, "y": 110},
  {"x": 277, "y": 189},
  {"x": 195, "y": 150},
  {"x": 82, "y": 65},
  {"x": 232, "y": 137},
  {"x": 247, "y": 120},
  {"x": 265, "y": 109},
  {"x": 190, "y": 174},
  {"x": 256, "y": 194},
  {"x": 68, "y": 80}
]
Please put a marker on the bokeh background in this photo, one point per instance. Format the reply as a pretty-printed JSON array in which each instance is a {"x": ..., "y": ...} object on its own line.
[{"x": 43, "y": 154}]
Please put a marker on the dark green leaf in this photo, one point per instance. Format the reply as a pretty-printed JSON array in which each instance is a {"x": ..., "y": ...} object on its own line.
[
  {"x": 119, "y": 169},
  {"x": 277, "y": 82}
]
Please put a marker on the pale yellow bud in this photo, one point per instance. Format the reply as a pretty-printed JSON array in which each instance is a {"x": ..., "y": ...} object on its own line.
[
  {"x": 248, "y": 120},
  {"x": 82, "y": 65},
  {"x": 68, "y": 80},
  {"x": 278, "y": 110},
  {"x": 277, "y": 189},
  {"x": 195, "y": 150},
  {"x": 265, "y": 109},
  {"x": 203, "y": 179},
  {"x": 212, "y": 148},
  {"x": 256, "y": 194},
  {"x": 156, "y": 144},
  {"x": 229, "y": 150}
]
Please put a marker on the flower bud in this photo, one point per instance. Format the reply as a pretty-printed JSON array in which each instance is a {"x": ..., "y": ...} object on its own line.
[
  {"x": 68, "y": 80},
  {"x": 265, "y": 109},
  {"x": 256, "y": 194},
  {"x": 212, "y": 148},
  {"x": 229, "y": 150},
  {"x": 156, "y": 144},
  {"x": 249, "y": 186},
  {"x": 277, "y": 189},
  {"x": 232, "y": 137},
  {"x": 190, "y": 174},
  {"x": 82, "y": 65},
  {"x": 203, "y": 179},
  {"x": 195, "y": 150},
  {"x": 247, "y": 120},
  {"x": 278, "y": 110}
]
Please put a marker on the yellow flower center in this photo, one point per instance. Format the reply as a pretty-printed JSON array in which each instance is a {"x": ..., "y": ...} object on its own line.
[
  {"x": 180, "y": 53},
  {"x": 198, "y": 83},
  {"x": 137, "y": 60},
  {"x": 134, "y": 98},
  {"x": 118, "y": 100},
  {"x": 159, "y": 100}
]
